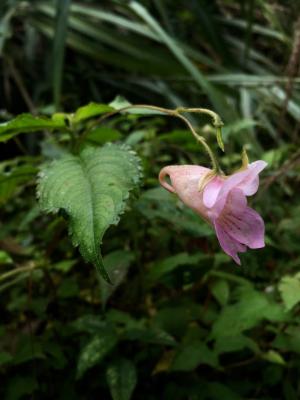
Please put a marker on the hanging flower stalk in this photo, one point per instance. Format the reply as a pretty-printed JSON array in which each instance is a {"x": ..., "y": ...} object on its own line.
[{"x": 219, "y": 199}]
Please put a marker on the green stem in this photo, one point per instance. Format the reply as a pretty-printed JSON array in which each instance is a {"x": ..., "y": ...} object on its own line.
[
  {"x": 201, "y": 139},
  {"x": 16, "y": 271},
  {"x": 217, "y": 122}
]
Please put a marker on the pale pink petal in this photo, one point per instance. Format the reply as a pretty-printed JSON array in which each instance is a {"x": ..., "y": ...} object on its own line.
[
  {"x": 185, "y": 183},
  {"x": 211, "y": 191},
  {"x": 246, "y": 180},
  {"x": 228, "y": 244},
  {"x": 181, "y": 176},
  {"x": 250, "y": 187}
]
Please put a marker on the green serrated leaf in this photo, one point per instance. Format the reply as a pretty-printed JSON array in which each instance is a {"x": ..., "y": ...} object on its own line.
[
  {"x": 91, "y": 110},
  {"x": 91, "y": 189},
  {"x": 121, "y": 378},
  {"x": 28, "y": 123},
  {"x": 94, "y": 351}
]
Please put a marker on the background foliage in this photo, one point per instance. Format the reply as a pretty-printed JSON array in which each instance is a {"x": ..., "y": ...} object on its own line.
[{"x": 181, "y": 321}]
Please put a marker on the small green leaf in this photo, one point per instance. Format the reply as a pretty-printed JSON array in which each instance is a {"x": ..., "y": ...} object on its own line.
[
  {"x": 91, "y": 189},
  {"x": 90, "y": 323},
  {"x": 91, "y": 110},
  {"x": 220, "y": 291},
  {"x": 289, "y": 288},
  {"x": 171, "y": 263},
  {"x": 94, "y": 351},
  {"x": 101, "y": 135},
  {"x": 149, "y": 335},
  {"x": 274, "y": 357},
  {"x": 250, "y": 310},
  {"x": 229, "y": 344},
  {"x": 5, "y": 258},
  {"x": 64, "y": 266},
  {"x": 192, "y": 354},
  {"x": 120, "y": 102},
  {"x": 15, "y": 179},
  {"x": 28, "y": 123},
  {"x": 219, "y": 391},
  {"x": 121, "y": 378}
]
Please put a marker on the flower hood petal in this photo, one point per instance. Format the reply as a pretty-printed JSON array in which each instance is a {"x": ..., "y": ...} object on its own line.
[{"x": 185, "y": 183}]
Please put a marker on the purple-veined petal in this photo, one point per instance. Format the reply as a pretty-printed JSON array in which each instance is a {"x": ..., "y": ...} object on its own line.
[
  {"x": 228, "y": 244},
  {"x": 242, "y": 223}
]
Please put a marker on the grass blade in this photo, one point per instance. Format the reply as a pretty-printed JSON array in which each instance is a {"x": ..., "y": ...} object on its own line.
[
  {"x": 217, "y": 100},
  {"x": 61, "y": 25}
]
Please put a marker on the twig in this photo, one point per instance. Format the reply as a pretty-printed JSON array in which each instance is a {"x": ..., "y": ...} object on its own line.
[{"x": 21, "y": 86}]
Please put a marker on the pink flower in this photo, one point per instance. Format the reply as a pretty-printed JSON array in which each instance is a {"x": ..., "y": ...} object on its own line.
[{"x": 221, "y": 202}]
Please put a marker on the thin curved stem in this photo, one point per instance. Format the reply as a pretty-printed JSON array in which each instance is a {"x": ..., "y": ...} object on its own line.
[
  {"x": 201, "y": 140},
  {"x": 15, "y": 271},
  {"x": 217, "y": 122}
]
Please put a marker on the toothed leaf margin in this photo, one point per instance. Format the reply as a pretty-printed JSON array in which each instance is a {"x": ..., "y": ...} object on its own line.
[{"x": 91, "y": 188}]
